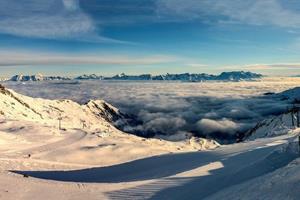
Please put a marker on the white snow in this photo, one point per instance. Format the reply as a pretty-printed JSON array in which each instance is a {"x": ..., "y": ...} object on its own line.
[
  {"x": 86, "y": 131},
  {"x": 274, "y": 126},
  {"x": 280, "y": 184},
  {"x": 195, "y": 175},
  {"x": 278, "y": 125},
  {"x": 39, "y": 161},
  {"x": 292, "y": 94}
]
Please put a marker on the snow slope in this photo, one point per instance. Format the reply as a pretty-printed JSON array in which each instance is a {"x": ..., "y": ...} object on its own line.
[
  {"x": 197, "y": 175},
  {"x": 283, "y": 183},
  {"x": 291, "y": 94},
  {"x": 39, "y": 161},
  {"x": 278, "y": 125},
  {"x": 96, "y": 114},
  {"x": 87, "y": 132}
]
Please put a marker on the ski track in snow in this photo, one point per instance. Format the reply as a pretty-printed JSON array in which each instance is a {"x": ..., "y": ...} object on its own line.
[
  {"x": 181, "y": 176},
  {"x": 235, "y": 168},
  {"x": 77, "y": 136}
]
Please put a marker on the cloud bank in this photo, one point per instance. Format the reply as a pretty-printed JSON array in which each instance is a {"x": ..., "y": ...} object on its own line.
[
  {"x": 217, "y": 110},
  {"x": 222, "y": 126}
]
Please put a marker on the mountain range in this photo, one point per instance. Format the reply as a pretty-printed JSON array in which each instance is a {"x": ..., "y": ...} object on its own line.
[{"x": 224, "y": 76}]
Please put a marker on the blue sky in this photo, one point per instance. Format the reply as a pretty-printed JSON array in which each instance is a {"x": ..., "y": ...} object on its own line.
[{"x": 106, "y": 37}]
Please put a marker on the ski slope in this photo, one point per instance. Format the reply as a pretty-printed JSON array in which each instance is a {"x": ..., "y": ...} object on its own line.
[
  {"x": 40, "y": 161},
  {"x": 194, "y": 175}
]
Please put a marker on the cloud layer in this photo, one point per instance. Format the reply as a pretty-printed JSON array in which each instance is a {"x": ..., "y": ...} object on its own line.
[
  {"x": 22, "y": 58},
  {"x": 218, "y": 110}
]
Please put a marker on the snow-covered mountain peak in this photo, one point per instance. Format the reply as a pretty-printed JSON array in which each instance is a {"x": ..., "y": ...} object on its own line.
[
  {"x": 105, "y": 110},
  {"x": 283, "y": 123},
  {"x": 224, "y": 76},
  {"x": 36, "y": 77},
  {"x": 94, "y": 114},
  {"x": 291, "y": 94},
  {"x": 278, "y": 125}
]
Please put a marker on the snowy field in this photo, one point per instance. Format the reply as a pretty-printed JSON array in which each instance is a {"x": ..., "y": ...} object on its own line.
[
  {"x": 97, "y": 161},
  {"x": 249, "y": 170}
]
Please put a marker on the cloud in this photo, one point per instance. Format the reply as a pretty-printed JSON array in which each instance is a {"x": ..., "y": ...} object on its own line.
[
  {"x": 196, "y": 65},
  {"x": 52, "y": 19},
  {"x": 35, "y": 58},
  {"x": 218, "y": 110},
  {"x": 274, "y": 66},
  {"x": 253, "y": 12},
  {"x": 273, "y": 69},
  {"x": 164, "y": 124},
  {"x": 80, "y": 20},
  {"x": 224, "y": 126},
  {"x": 71, "y": 5}
]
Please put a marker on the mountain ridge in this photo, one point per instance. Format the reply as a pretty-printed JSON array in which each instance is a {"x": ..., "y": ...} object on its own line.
[
  {"x": 186, "y": 77},
  {"x": 91, "y": 114}
]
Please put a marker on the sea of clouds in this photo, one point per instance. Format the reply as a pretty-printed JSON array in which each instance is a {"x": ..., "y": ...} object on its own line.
[{"x": 220, "y": 110}]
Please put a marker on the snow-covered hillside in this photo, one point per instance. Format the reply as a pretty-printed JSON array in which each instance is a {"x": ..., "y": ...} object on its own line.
[
  {"x": 282, "y": 124},
  {"x": 291, "y": 94},
  {"x": 281, "y": 184},
  {"x": 91, "y": 159},
  {"x": 274, "y": 126},
  {"x": 96, "y": 114}
]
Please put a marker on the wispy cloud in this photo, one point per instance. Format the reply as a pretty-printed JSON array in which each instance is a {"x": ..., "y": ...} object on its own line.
[
  {"x": 196, "y": 65},
  {"x": 71, "y": 5},
  {"x": 254, "y": 12},
  {"x": 274, "y": 66},
  {"x": 34, "y": 58},
  {"x": 72, "y": 19},
  {"x": 273, "y": 69},
  {"x": 51, "y": 19}
]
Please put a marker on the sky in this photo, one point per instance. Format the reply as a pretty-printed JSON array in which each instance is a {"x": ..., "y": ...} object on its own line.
[{"x": 73, "y": 37}]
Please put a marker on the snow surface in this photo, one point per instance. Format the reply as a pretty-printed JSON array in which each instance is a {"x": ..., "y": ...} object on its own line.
[
  {"x": 194, "y": 175},
  {"x": 291, "y": 94},
  {"x": 279, "y": 125},
  {"x": 39, "y": 161},
  {"x": 282, "y": 183},
  {"x": 25, "y": 114}
]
